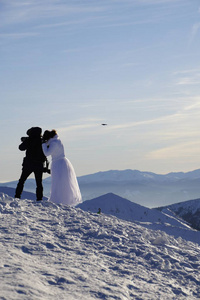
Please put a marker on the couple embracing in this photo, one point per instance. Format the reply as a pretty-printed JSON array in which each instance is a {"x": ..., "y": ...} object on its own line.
[{"x": 64, "y": 185}]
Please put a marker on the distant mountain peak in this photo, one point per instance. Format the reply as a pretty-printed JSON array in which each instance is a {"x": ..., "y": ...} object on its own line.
[{"x": 124, "y": 209}]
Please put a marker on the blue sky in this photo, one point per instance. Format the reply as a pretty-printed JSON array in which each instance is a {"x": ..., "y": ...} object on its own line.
[{"x": 72, "y": 65}]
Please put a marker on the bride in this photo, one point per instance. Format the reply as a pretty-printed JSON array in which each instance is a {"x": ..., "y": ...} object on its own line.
[{"x": 64, "y": 184}]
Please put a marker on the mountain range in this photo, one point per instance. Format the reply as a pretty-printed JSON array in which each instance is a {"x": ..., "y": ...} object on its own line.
[{"x": 145, "y": 188}]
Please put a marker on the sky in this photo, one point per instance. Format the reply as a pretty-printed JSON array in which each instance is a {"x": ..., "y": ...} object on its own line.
[{"x": 73, "y": 65}]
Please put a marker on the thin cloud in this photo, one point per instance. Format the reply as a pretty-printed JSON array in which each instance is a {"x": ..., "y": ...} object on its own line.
[
  {"x": 76, "y": 127},
  {"x": 189, "y": 81},
  {"x": 188, "y": 77},
  {"x": 194, "y": 32},
  {"x": 145, "y": 122},
  {"x": 26, "y": 11},
  {"x": 68, "y": 23},
  {"x": 21, "y": 35},
  {"x": 81, "y": 125},
  {"x": 180, "y": 150},
  {"x": 189, "y": 71},
  {"x": 187, "y": 111}
]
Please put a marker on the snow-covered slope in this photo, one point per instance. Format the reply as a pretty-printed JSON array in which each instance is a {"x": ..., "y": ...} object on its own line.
[
  {"x": 124, "y": 209},
  {"x": 150, "y": 218},
  {"x": 53, "y": 252},
  {"x": 187, "y": 210}
]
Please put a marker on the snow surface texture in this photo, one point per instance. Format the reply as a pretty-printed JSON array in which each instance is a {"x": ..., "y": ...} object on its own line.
[
  {"x": 150, "y": 218},
  {"x": 53, "y": 252}
]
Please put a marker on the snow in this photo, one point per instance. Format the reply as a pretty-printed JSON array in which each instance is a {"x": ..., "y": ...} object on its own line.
[
  {"x": 191, "y": 206},
  {"x": 124, "y": 209},
  {"x": 187, "y": 210},
  {"x": 51, "y": 251},
  {"x": 150, "y": 218}
]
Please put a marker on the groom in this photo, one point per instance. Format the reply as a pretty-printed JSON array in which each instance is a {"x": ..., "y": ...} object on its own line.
[{"x": 33, "y": 161}]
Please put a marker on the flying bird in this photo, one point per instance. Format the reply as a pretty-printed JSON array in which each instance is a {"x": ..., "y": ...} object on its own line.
[{"x": 104, "y": 124}]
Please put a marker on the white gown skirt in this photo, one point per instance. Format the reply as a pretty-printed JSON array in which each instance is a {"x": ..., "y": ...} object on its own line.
[{"x": 64, "y": 184}]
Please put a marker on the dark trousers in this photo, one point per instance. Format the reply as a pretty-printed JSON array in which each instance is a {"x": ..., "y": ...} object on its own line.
[{"x": 29, "y": 168}]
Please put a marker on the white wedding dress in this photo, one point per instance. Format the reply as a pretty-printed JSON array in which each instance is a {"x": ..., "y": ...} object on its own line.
[{"x": 64, "y": 184}]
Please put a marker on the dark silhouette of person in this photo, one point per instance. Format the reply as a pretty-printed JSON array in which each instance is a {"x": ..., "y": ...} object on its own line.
[{"x": 33, "y": 161}]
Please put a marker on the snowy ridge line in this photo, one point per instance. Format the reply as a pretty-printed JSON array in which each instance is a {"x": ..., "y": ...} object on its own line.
[
  {"x": 132, "y": 175},
  {"x": 51, "y": 251},
  {"x": 166, "y": 221},
  {"x": 187, "y": 210}
]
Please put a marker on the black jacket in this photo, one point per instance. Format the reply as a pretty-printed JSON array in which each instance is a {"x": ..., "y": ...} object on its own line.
[{"x": 33, "y": 146}]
